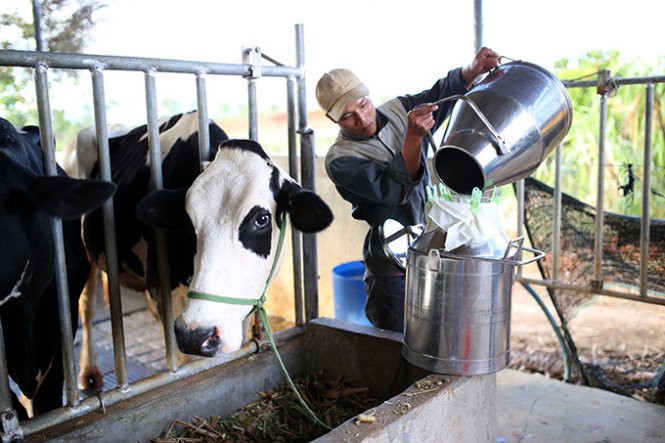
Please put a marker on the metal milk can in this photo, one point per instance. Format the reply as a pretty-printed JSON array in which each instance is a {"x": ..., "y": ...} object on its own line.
[
  {"x": 457, "y": 307},
  {"x": 501, "y": 130}
]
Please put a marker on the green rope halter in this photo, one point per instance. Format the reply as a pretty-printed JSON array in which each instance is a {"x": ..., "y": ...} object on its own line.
[{"x": 258, "y": 306}]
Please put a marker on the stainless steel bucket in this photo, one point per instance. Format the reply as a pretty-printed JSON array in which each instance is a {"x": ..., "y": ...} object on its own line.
[
  {"x": 501, "y": 130},
  {"x": 457, "y": 308}
]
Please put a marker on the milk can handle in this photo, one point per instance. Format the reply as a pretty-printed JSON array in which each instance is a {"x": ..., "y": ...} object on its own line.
[
  {"x": 518, "y": 244},
  {"x": 501, "y": 144},
  {"x": 537, "y": 255},
  {"x": 512, "y": 244}
]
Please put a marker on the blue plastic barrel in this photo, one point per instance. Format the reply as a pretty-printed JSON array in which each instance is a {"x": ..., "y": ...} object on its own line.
[{"x": 349, "y": 292}]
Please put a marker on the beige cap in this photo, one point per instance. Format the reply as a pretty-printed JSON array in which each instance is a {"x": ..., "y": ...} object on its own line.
[{"x": 336, "y": 89}]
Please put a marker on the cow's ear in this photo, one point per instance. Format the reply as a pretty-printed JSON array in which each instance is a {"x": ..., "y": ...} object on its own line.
[
  {"x": 307, "y": 211},
  {"x": 164, "y": 209},
  {"x": 69, "y": 198}
]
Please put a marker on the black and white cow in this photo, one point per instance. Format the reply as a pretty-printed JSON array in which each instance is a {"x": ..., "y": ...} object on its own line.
[
  {"x": 136, "y": 251},
  {"x": 28, "y": 296},
  {"x": 234, "y": 208}
]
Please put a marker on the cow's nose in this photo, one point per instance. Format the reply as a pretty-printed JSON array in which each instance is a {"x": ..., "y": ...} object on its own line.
[{"x": 197, "y": 341}]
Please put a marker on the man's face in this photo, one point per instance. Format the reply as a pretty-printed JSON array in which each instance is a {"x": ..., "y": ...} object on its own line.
[{"x": 359, "y": 118}]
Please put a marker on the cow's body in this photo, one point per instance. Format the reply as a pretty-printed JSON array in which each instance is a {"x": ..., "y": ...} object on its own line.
[
  {"x": 130, "y": 170},
  {"x": 28, "y": 288},
  {"x": 234, "y": 207}
]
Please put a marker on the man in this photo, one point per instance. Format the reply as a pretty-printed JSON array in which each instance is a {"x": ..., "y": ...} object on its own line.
[{"x": 379, "y": 164}]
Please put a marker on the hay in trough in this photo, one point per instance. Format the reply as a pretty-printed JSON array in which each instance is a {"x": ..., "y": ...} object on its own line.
[{"x": 278, "y": 416}]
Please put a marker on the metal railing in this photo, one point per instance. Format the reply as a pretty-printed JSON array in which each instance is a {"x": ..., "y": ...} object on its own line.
[
  {"x": 605, "y": 86},
  {"x": 304, "y": 264}
]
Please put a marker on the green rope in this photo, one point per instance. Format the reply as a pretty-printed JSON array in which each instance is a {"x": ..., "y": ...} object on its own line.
[
  {"x": 220, "y": 299},
  {"x": 263, "y": 315}
]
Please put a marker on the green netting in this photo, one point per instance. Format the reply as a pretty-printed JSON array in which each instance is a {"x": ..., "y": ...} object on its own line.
[
  {"x": 620, "y": 261},
  {"x": 621, "y": 241}
]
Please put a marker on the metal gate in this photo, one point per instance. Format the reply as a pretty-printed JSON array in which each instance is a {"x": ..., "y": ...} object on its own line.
[
  {"x": 605, "y": 87},
  {"x": 620, "y": 256},
  {"x": 304, "y": 264}
]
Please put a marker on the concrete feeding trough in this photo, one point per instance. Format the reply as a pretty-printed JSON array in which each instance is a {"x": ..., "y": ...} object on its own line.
[{"x": 454, "y": 408}]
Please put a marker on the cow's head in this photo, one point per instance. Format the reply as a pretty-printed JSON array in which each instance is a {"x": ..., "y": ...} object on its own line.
[
  {"x": 28, "y": 294},
  {"x": 235, "y": 207}
]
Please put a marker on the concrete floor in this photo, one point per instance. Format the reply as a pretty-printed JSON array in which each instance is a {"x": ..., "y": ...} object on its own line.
[{"x": 534, "y": 408}]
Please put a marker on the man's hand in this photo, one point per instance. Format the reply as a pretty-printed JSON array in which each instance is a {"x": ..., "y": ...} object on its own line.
[
  {"x": 420, "y": 122},
  {"x": 421, "y": 119},
  {"x": 483, "y": 62}
]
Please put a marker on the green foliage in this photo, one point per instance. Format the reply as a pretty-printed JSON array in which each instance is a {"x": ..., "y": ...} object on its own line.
[
  {"x": 623, "y": 169},
  {"x": 65, "y": 26},
  {"x": 67, "y": 32}
]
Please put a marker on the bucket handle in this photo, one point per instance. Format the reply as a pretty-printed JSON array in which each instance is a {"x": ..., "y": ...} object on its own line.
[
  {"x": 500, "y": 143},
  {"x": 516, "y": 243}
]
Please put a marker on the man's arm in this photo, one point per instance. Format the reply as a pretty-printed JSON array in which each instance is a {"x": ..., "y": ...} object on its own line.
[{"x": 420, "y": 122}]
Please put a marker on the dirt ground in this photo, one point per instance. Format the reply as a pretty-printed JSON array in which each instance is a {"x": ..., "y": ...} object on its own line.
[{"x": 625, "y": 338}]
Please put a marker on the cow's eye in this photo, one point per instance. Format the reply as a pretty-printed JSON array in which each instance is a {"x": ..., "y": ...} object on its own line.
[
  {"x": 262, "y": 221},
  {"x": 255, "y": 232}
]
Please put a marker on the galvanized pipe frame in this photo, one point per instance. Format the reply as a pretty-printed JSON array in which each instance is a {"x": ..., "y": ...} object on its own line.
[
  {"x": 115, "y": 303},
  {"x": 308, "y": 180},
  {"x": 30, "y": 59},
  {"x": 604, "y": 85},
  {"x": 41, "y": 62},
  {"x": 160, "y": 235},
  {"x": 296, "y": 237},
  {"x": 64, "y": 311}
]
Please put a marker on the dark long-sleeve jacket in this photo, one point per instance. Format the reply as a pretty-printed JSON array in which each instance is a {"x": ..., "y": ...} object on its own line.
[{"x": 370, "y": 172}]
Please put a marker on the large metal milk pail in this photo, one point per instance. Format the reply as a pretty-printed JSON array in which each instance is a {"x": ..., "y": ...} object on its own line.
[
  {"x": 501, "y": 130},
  {"x": 457, "y": 308}
]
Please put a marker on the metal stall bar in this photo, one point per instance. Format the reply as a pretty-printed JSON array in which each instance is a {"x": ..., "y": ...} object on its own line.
[
  {"x": 160, "y": 236},
  {"x": 110, "y": 241},
  {"x": 37, "y": 25},
  {"x": 597, "y": 281},
  {"x": 616, "y": 81},
  {"x": 5, "y": 392},
  {"x": 587, "y": 290},
  {"x": 202, "y": 106},
  {"x": 253, "y": 118},
  {"x": 519, "y": 195},
  {"x": 478, "y": 24},
  {"x": 10, "y": 430},
  {"x": 47, "y": 141},
  {"x": 308, "y": 168},
  {"x": 556, "y": 231},
  {"x": 28, "y": 59},
  {"x": 646, "y": 185},
  {"x": 252, "y": 57},
  {"x": 296, "y": 236}
]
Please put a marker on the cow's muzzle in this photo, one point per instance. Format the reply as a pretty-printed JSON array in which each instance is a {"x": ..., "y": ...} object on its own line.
[{"x": 197, "y": 341}]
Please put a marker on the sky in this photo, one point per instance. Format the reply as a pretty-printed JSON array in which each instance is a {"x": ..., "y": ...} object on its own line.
[{"x": 396, "y": 47}]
